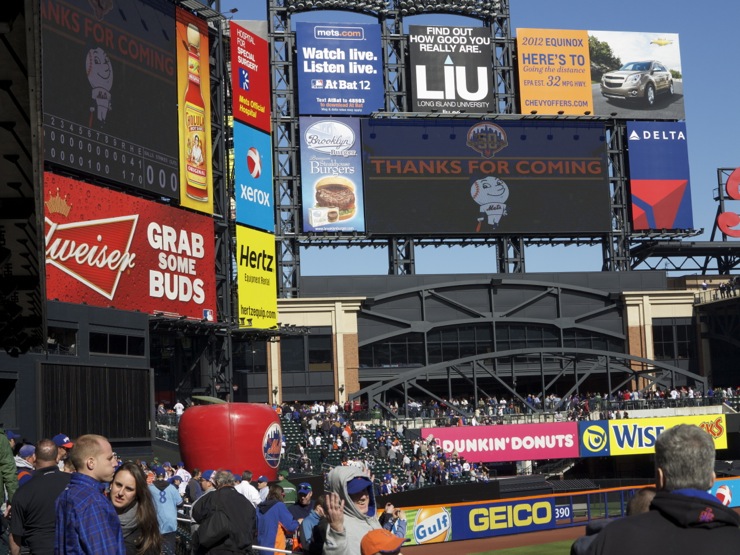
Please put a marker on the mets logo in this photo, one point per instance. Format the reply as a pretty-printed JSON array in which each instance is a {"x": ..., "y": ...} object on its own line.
[
  {"x": 707, "y": 515},
  {"x": 594, "y": 438},
  {"x": 487, "y": 139},
  {"x": 271, "y": 444}
]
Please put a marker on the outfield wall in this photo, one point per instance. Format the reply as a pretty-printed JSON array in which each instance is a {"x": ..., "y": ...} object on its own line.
[{"x": 464, "y": 521}]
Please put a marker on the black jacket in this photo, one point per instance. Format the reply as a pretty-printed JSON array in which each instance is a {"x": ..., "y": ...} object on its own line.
[
  {"x": 675, "y": 524},
  {"x": 242, "y": 518}
]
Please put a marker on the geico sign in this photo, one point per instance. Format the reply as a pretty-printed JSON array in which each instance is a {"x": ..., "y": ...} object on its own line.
[{"x": 510, "y": 516}]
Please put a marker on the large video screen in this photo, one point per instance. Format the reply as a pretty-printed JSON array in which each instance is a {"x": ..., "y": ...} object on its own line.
[
  {"x": 109, "y": 82},
  {"x": 455, "y": 177},
  {"x": 108, "y": 249}
]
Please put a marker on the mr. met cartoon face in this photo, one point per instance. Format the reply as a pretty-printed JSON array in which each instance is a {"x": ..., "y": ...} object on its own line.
[
  {"x": 489, "y": 190},
  {"x": 99, "y": 70}
]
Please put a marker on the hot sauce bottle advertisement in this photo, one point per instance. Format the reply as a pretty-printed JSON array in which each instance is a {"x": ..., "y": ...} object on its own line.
[
  {"x": 108, "y": 249},
  {"x": 195, "y": 113}
]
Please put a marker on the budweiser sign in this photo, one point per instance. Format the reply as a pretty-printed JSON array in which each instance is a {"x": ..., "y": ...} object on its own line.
[
  {"x": 95, "y": 253},
  {"x": 108, "y": 249}
]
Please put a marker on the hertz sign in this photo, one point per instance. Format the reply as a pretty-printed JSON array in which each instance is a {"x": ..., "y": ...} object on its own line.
[{"x": 603, "y": 438}]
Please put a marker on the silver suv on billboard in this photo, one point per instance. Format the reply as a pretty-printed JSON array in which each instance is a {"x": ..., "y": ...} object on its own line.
[{"x": 642, "y": 80}]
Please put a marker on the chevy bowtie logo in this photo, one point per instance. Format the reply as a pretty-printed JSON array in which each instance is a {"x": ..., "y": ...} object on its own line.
[{"x": 94, "y": 252}]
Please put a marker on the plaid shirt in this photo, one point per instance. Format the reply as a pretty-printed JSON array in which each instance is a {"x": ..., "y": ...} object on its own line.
[{"x": 86, "y": 522}]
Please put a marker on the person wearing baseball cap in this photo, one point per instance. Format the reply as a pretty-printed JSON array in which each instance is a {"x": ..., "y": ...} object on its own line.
[
  {"x": 167, "y": 499},
  {"x": 64, "y": 444},
  {"x": 13, "y": 438},
  {"x": 262, "y": 488},
  {"x": 350, "y": 510},
  {"x": 381, "y": 542},
  {"x": 291, "y": 492},
  {"x": 304, "y": 504}
]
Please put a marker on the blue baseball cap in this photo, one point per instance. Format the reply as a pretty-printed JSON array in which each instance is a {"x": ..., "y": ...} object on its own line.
[
  {"x": 207, "y": 474},
  {"x": 12, "y": 435},
  {"x": 61, "y": 440},
  {"x": 358, "y": 484}
]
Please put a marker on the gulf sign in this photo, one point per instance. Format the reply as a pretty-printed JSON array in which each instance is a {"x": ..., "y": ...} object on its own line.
[
  {"x": 428, "y": 525},
  {"x": 108, "y": 249},
  {"x": 659, "y": 175},
  {"x": 509, "y": 443},
  {"x": 636, "y": 436},
  {"x": 498, "y": 519},
  {"x": 256, "y": 278},
  {"x": 250, "y": 77}
]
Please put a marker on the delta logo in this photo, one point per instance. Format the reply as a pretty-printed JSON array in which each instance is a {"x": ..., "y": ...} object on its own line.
[
  {"x": 594, "y": 439},
  {"x": 272, "y": 444},
  {"x": 657, "y": 135},
  {"x": 432, "y": 525}
]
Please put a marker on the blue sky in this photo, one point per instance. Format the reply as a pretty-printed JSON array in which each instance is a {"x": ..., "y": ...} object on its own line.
[{"x": 710, "y": 59}]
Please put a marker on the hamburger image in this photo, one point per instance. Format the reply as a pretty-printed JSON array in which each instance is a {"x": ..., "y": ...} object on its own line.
[{"x": 336, "y": 192}]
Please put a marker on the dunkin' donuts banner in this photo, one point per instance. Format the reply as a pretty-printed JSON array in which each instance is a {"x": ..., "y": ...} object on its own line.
[
  {"x": 108, "y": 249},
  {"x": 523, "y": 442}
]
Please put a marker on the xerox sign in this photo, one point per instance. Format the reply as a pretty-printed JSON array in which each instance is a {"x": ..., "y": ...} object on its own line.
[{"x": 108, "y": 249}]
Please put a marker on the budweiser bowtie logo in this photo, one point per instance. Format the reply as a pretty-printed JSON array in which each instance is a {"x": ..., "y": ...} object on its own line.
[{"x": 94, "y": 252}]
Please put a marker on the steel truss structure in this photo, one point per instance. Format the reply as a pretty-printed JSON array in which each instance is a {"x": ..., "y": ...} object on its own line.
[
  {"x": 580, "y": 353},
  {"x": 510, "y": 250},
  {"x": 550, "y": 366}
]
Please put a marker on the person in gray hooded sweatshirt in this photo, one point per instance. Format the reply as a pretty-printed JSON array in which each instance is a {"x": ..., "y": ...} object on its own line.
[{"x": 350, "y": 510}]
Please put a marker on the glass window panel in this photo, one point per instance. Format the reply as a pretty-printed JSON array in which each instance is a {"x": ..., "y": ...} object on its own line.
[
  {"x": 136, "y": 346},
  {"x": 117, "y": 344},
  {"x": 98, "y": 342},
  {"x": 398, "y": 354},
  {"x": 320, "y": 353},
  {"x": 292, "y": 354}
]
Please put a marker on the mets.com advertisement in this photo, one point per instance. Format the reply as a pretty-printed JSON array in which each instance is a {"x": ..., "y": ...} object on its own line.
[{"x": 466, "y": 521}]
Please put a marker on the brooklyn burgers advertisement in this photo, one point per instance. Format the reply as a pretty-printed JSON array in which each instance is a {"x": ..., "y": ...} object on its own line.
[
  {"x": 331, "y": 175},
  {"x": 108, "y": 249}
]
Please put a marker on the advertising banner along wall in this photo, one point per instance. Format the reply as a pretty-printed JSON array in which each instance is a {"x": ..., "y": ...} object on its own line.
[
  {"x": 253, "y": 190},
  {"x": 108, "y": 249},
  {"x": 636, "y": 436},
  {"x": 109, "y": 78},
  {"x": 455, "y": 177},
  {"x": 659, "y": 175},
  {"x": 451, "y": 69},
  {"x": 331, "y": 175},
  {"x": 250, "y": 77},
  {"x": 340, "y": 68},
  {"x": 509, "y": 443},
  {"x": 256, "y": 275},
  {"x": 632, "y": 75},
  {"x": 194, "y": 111}
]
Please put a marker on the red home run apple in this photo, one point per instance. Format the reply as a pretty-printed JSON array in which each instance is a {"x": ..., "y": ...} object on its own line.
[{"x": 232, "y": 436}]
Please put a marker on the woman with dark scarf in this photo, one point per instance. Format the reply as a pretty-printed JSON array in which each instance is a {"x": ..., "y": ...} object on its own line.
[{"x": 133, "y": 503}]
